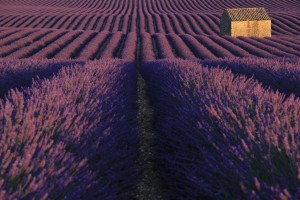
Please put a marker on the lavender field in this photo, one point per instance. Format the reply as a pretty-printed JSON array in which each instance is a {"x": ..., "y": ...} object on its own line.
[
  {"x": 63, "y": 137},
  {"x": 99, "y": 29},
  {"x": 143, "y": 99},
  {"x": 222, "y": 136}
]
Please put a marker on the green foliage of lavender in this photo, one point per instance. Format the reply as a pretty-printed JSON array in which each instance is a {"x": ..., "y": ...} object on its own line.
[
  {"x": 72, "y": 136},
  {"x": 221, "y": 136}
]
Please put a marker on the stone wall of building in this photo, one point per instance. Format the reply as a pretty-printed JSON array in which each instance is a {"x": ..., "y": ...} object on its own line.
[{"x": 260, "y": 28}]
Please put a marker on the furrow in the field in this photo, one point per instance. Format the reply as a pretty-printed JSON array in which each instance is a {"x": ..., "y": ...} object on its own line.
[
  {"x": 150, "y": 23},
  {"x": 147, "y": 50},
  {"x": 21, "y": 21},
  {"x": 163, "y": 46},
  {"x": 268, "y": 48},
  {"x": 112, "y": 24},
  {"x": 129, "y": 49},
  {"x": 38, "y": 22},
  {"x": 159, "y": 28},
  {"x": 293, "y": 39},
  {"x": 211, "y": 24},
  {"x": 180, "y": 29},
  {"x": 7, "y": 32},
  {"x": 133, "y": 23},
  {"x": 287, "y": 44},
  {"x": 285, "y": 26},
  {"x": 96, "y": 23},
  {"x": 214, "y": 47},
  {"x": 114, "y": 27},
  {"x": 167, "y": 25},
  {"x": 184, "y": 27},
  {"x": 198, "y": 49},
  {"x": 53, "y": 21},
  {"x": 101, "y": 47},
  {"x": 202, "y": 25},
  {"x": 91, "y": 48},
  {"x": 197, "y": 29},
  {"x": 112, "y": 46},
  {"x": 52, "y": 49},
  {"x": 185, "y": 24},
  {"x": 249, "y": 47},
  {"x": 22, "y": 42},
  {"x": 103, "y": 23},
  {"x": 28, "y": 51},
  {"x": 11, "y": 21},
  {"x": 12, "y": 35},
  {"x": 182, "y": 50},
  {"x": 107, "y": 23},
  {"x": 278, "y": 30},
  {"x": 90, "y": 22},
  {"x": 47, "y": 22},
  {"x": 69, "y": 51},
  {"x": 4, "y": 19},
  {"x": 82, "y": 22},
  {"x": 287, "y": 23},
  {"x": 206, "y": 26},
  {"x": 74, "y": 22},
  {"x": 124, "y": 23},
  {"x": 82, "y": 44},
  {"x": 61, "y": 22},
  {"x": 130, "y": 19}
]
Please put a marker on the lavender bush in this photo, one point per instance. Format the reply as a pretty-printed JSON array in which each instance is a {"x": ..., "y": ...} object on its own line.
[
  {"x": 90, "y": 50},
  {"x": 130, "y": 43},
  {"x": 53, "y": 48},
  {"x": 147, "y": 47},
  {"x": 29, "y": 50},
  {"x": 72, "y": 136},
  {"x": 198, "y": 49},
  {"x": 221, "y": 136},
  {"x": 112, "y": 46},
  {"x": 163, "y": 46},
  {"x": 181, "y": 48},
  {"x": 281, "y": 74},
  {"x": 19, "y": 73}
]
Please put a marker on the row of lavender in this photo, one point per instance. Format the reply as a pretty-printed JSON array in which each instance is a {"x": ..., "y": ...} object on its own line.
[
  {"x": 43, "y": 43},
  {"x": 203, "y": 24},
  {"x": 159, "y": 6},
  {"x": 20, "y": 110},
  {"x": 19, "y": 73},
  {"x": 282, "y": 74},
  {"x": 221, "y": 136},
  {"x": 71, "y": 136},
  {"x": 145, "y": 16}
]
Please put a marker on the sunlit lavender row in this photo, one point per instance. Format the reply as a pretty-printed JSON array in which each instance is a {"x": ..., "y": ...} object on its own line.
[
  {"x": 72, "y": 136},
  {"x": 221, "y": 136},
  {"x": 282, "y": 74}
]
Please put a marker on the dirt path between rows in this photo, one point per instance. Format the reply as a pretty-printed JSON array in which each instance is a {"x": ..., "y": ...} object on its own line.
[{"x": 149, "y": 187}]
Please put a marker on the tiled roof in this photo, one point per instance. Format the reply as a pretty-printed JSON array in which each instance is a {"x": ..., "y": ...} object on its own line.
[{"x": 244, "y": 14}]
